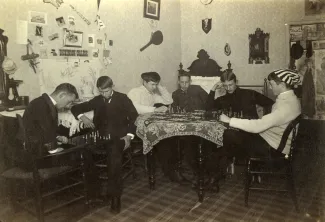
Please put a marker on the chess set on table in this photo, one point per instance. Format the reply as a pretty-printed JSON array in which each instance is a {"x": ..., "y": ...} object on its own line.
[
  {"x": 93, "y": 137},
  {"x": 177, "y": 113}
]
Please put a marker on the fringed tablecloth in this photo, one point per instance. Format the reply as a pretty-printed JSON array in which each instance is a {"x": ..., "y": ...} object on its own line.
[{"x": 153, "y": 127}]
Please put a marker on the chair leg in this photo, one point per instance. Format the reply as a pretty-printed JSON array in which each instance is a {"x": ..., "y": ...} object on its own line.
[
  {"x": 39, "y": 202},
  {"x": 247, "y": 182},
  {"x": 12, "y": 195},
  {"x": 85, "y": 162},
  {"x": 292, "y": 188},
  {"x": 146, "y": 164}
]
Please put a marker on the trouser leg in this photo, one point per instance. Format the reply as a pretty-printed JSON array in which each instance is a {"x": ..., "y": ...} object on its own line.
[
  {"x": 244, "y": 144},
  {"x": 114, "y": 162},
  {"x": 167, "y": 154}
]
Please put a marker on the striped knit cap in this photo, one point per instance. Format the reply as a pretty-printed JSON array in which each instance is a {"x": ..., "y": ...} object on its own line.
[{"x": 288, "y": 76}]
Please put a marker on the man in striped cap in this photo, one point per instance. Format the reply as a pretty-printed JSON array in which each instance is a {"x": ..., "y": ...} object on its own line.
[{"x": 267, "y": 131}]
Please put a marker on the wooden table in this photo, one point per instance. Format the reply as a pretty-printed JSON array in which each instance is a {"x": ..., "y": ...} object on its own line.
[{"x": 153, "y": 127}]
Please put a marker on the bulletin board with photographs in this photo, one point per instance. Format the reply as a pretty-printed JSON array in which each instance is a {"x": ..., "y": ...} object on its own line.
[{"x": 311, "y": 37}]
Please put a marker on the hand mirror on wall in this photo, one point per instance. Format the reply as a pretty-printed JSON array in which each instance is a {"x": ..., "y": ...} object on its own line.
[{"x": 156, "y": 39}]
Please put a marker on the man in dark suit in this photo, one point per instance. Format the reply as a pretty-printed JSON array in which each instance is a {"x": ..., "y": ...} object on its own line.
[
  {"x": 41, "y": 120},
  {"x": 235, "y": 99},
  {"x": 189, "y": 97},
  {"x": 114, "y": 115}
]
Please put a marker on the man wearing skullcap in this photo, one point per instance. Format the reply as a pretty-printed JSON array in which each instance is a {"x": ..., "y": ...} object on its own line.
[
  {"x": 151, "y": 96},
  {"x": 262, "y": 133}
]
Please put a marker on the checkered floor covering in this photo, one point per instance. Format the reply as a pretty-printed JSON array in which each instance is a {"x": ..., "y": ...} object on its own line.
[{"x": 174, "y": 202}]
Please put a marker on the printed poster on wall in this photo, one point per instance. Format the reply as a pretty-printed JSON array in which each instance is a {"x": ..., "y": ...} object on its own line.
[
  {"x": 82, "y": 73},
  {"x": 320, "y": 83}
]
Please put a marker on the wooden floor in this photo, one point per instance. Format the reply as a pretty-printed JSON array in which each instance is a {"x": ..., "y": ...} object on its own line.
[{"x": 174, "y": 202}]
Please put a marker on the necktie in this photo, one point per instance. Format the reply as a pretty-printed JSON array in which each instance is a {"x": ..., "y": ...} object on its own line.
[{"x": 107, "y": 100}]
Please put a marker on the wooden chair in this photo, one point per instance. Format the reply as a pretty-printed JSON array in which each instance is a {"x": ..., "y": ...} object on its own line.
[
  {"x": 273, "y": 165},
  {"x": 137, "y": 153},
  {"x": 48, "y": 182},
  {"x": 100, "y": 154}
]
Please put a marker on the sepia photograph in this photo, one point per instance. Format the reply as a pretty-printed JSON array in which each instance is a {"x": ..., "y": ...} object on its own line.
[
  {"x": 39, "y": 18},
  {"x": 72, "y": 38},
  {"x": 151, "y": 9}
]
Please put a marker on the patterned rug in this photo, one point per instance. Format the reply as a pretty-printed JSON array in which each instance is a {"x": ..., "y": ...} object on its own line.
[{"x": 174, "y": 202}]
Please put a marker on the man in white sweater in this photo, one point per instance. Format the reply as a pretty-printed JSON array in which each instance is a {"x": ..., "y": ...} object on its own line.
[
  {"x": 256, "y": 136},
  {"x": 151, "y": 96}
]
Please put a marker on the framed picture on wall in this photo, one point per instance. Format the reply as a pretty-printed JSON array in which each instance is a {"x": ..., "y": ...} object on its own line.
[
  {"x": 38, "y": 18},
  {"x": 72, "y": 38},
  {"x": 314, "y": 7},
  {"x": 151, "y": 9}
]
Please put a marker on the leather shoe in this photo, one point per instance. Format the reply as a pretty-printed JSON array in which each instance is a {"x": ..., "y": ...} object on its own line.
[{"x": 116, "y": 205}]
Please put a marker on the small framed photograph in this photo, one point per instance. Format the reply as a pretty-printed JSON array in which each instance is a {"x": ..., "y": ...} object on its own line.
[
  {"x": 151, "y": 9},
  {"x": 39, "y": 18},
  {"x": 72, "y": 38}
]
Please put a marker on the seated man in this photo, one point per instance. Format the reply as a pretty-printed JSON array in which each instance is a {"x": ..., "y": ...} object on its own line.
[
  {"x": 260, "y": 134},
  {"x": 41, "y": 122},
  {"x": 189, "y": 97},
  {"x": 240, "y": 101},
  {"x": 152, "y": 97},
  {"x": 114, "y": 115}
]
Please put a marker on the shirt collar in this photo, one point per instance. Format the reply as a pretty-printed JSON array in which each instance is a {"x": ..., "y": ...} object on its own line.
[
  {"x": 53, "y": 101},
  {"x": 285, "y": 94}
]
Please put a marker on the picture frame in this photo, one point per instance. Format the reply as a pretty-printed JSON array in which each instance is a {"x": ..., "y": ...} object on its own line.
[
  {"x": 314, "y": 8},
  {"x": 259, "y": 47},
  {"x": 72, "y": 38},
  {"x": 151, "y": 9},
  {"x": 38, "y": 18}
]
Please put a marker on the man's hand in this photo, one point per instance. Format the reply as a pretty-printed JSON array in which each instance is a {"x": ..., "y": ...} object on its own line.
[
  {"x": 219, "y": 90},
  {"x": 62, "y": 139},
  {"x": 158, "y": 89},
  {"x": 161, "y": 109},
  {"x": 87, "y": 122},
  {"x": 224, "y": 118},
  {"x": 216, "y": 86},
  {"x": 127, "y": 140}
]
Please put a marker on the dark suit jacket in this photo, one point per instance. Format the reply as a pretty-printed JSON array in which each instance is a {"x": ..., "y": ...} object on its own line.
[
  {"x": 116, "y": 117},
  {"x": 41, "y": 121},
  {"x": 194, "y": 99},
  {"x": 241, "y": 100}
]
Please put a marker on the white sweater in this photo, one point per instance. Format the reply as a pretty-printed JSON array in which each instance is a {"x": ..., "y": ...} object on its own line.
[
  {"x": 271, "y": 127},
  {"x": 143, "y": 100}
]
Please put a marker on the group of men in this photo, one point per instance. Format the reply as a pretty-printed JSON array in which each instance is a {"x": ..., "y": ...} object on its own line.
[{"x": 115, "y": 114}]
